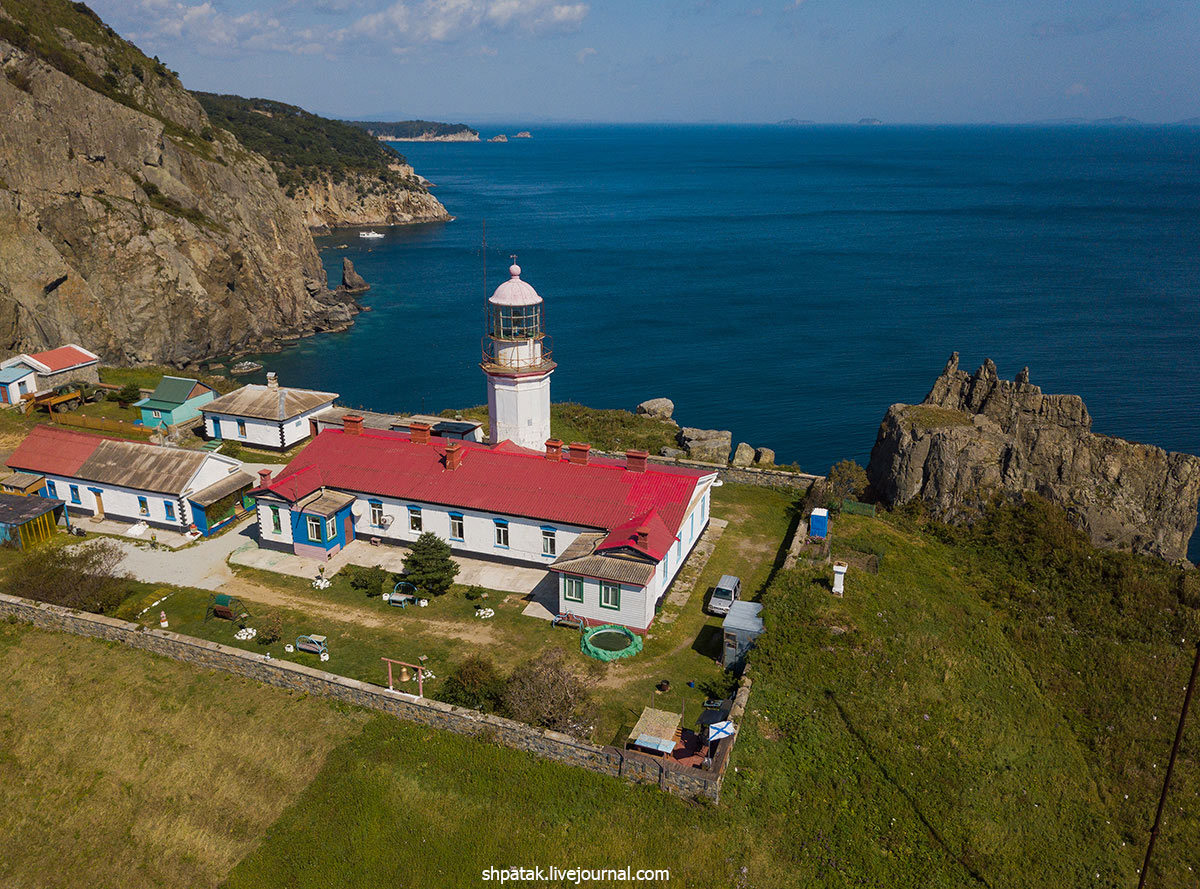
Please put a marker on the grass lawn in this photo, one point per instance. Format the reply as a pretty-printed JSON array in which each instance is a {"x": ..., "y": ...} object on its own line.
[
  {"x": 605, "y": 430},
  {"x": 109, "y": 410},
  {"x": 149, "y": 376},
  {"x": 238, "y": 451},
  {"x": 125, "y": 769}
]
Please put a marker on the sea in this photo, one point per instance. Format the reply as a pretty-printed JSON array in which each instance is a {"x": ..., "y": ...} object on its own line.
[{"x": 789, "y": 283}]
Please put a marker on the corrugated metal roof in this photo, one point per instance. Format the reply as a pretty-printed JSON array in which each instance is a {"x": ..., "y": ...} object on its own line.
[
  {"x": 744, "y": 616},
  {"x": 234, "y": 482},
  {"x": 16, "y": 510},
  {"x": 47, "y": 449},
  {"x": 658, "y": 537},
  {"x": 174, "y": 391},
  {"x": 14, "y": 373},
  {"x": 21, "y": 479},
  {"x": 506, "y": 479},
  {"x": 371, "y": 419},
  {"x": 65, "y": 357},
  {"x": 581, "y": 557},
  {"x": 325, "y": 503},
  {"x": 266, "y": 403}
]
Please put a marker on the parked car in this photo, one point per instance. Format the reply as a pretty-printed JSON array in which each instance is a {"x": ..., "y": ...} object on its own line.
[{"x": 727, "y": 591}]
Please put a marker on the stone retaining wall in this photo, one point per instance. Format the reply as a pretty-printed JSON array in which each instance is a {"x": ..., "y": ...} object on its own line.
[
  {"x": 632, "y": 766},
  {"x": 779, "y": 479}
]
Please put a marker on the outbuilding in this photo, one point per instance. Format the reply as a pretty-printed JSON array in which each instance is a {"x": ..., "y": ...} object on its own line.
[
  {"x": 129, "y": 481},
  {"x": 174, "y": 400},
  {"x": 25, "y": 521},
  {"x": 23, "y": 484},
  {"x": 16, "y": 381},
  {"x": 271, "y": 416},
  {"x": 741, "y": 629},
  {"x": 66, "y": 364}
]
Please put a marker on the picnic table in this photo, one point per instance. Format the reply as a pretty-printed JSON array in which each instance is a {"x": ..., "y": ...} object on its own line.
[{"x": 656, "y": 731}]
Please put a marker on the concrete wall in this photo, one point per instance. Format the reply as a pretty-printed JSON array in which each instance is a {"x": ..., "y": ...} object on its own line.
[
  {"x": 519, "y": 410},
  {"x": 259, "y": 433},
  {"x": 636, "y": 767},
  {"x": 121, "y": 503}
]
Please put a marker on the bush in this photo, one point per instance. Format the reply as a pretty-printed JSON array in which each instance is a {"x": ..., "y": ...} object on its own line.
[
  {"x": 270, "y": 631},
  {"x": 84, "y": 577},
  {"x": 129, "y": 393},
  {"x": 547, "y": 692},
  {"x": 475, "y": 683},
  {"x": 370, "y": 580},
  {"x": 429, "y": 567},
  {"x": 475, "y": 593},
  {"x": 847, "y": 479}
]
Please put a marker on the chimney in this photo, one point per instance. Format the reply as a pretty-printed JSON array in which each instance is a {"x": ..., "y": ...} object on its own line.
[
  {"x": 352, "y": 424},
  {"x": 454, "y": 455},
  {"x": 264, "y": 477},
  {"x": 419, "y": 432},
  {"x": 635, "y": 461},
  {"x": 272, "y": 380},
  {"x": 554, "y": 449},
  {"x": 579, "y": 453},
  {"x": 643, "y": 536}
]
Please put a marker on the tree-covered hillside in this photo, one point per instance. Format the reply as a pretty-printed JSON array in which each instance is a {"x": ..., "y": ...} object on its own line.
[
  {"x": 302, "y": 146},
  {"x": 412, "y": 129}
]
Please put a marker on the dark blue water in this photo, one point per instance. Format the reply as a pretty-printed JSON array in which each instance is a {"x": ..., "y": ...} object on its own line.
[{"x": 789, "y": 284}]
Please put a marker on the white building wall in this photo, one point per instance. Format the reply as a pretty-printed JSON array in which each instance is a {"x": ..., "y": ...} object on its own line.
[
  {"x": 262, "y": 433},
  {"x": 632, "y": 612},
  {"x": 299, "y": 428},
  {"x": 14, "y": 388},
  {"x": 519, "y": 410},
  {"x": 122, "y": 503},
  {"x": 479, "y": 529},
  {"x": 214, "y": 468},
  {"x": 266, "y": 526}
]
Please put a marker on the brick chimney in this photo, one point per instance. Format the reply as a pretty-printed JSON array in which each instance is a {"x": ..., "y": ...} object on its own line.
[
  {"x": 635, "y": 461},
  {"x": 419, "y": 432},
  {"x": 454, "y": 455},
  {"x": 579, "y": 453},
  {"x": 264, "y": 477},
  {"x": 352, "y": 423},
  {"x": 272, "y": 380},
  {"x": 554, "y": 449},
  {"x": 643, "y": 536}
]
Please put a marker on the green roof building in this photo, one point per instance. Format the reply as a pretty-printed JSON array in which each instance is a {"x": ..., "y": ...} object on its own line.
[{"x": 175, "y": 400}]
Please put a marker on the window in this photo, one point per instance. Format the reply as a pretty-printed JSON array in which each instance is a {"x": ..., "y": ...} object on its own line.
[
  {"x": 276, "y": 524},
  {"x": 330, "y": 528},
  {"x": 501, "y": 533},
  {"x": 573, "y": 589},
  {"x": 456, "y": 526},
  {"x": 549, "y": 542},
  {"x": 169, "y": 508},
  {"x": 156, "y": 414},
  {"x": 376, "y": 513},
  {"x": 75, "y": 494},
  {"x": 241, "y": 428},
  {"x": 51, "y": 489},
  {"x": 610, "y": 596},
  {"x": 143, "y": 506},
  {"x": 414, "y": 519},
  {"x": 314, "y": 528}
]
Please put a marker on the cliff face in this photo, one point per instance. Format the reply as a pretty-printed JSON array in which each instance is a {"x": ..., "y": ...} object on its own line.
[
  {"x": 129, "y": 225},
  {"x": 362, "y": 200},
  {"x": 976, "y": 435}
]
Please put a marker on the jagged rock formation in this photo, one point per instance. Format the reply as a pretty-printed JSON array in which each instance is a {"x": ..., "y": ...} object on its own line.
[
  {"x": 976, "y": 435},
  {"x": 352, "y": 281},
  {"x": 130, "y": 225},
  {"x": 361, "y": 200},
  {"x": 707, "y": 445}
]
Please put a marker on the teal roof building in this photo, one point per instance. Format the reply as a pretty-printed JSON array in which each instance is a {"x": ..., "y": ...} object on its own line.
[{"x": 174, "y": 400}]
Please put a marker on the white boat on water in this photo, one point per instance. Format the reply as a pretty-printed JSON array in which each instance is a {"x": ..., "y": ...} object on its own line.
[{"x": 370, "y": 234}]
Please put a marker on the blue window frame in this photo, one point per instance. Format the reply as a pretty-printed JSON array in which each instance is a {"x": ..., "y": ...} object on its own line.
[
  {"x": 549, "y": 542},
  {"x": 75, "y": 494},
  {"x": 169, "y": 508},
  {"x": 50, "y": 489},
  {"x": 143, "y": 506},
  {"x": 414, "y": 519},
  {"x": 456, "y": 526},
  {"x": 501, "y": 533},
  {"x": 376, "y": 513}
]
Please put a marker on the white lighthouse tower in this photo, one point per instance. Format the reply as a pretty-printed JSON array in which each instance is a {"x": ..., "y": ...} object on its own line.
[{"x": 517, "y": 362}]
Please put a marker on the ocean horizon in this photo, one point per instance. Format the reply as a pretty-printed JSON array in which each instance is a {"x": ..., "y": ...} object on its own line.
[{"x": 790, "y": 282}]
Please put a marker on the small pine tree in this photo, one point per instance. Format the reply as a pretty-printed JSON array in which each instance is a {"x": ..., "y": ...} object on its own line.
[
  {"x": 429, "y": 567},
  {"x": 129, "y": 393},
  {"x": 847, "y": 479}
]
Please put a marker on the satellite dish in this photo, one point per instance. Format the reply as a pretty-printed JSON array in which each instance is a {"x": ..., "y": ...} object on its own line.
[
  {"x": 387, "y": 521},
  {"x": 356, "y": 510}
]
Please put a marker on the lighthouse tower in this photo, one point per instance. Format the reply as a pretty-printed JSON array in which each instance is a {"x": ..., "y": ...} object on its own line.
[{"x": 516, "y": 360}]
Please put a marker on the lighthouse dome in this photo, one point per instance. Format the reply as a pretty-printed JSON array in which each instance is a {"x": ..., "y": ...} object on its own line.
[{"x": 514, "y": 291}]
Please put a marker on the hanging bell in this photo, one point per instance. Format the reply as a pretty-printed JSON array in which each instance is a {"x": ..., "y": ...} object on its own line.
[{"x": 405, "y": 676}]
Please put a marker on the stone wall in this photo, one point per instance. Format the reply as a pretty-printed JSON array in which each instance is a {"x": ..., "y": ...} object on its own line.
[
  {"x": 779, "y": 479},
  {"x": 630, "y": 765}
]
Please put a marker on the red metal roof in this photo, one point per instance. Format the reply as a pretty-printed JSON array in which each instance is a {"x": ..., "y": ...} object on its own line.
[
  {"x": 53, "y": 450},
  {"x": 659, "y": 537},
  {"x": 506, "y": 480},
  {"x": 63, "y": 357}
]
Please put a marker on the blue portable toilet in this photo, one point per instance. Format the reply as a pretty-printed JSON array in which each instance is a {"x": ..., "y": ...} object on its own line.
[{"x": 818, "y": 523}]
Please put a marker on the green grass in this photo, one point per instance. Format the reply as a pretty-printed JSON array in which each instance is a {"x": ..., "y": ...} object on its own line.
[
  {"x": 125, "y": 769},
  {"x": 927, "y": 415},
  {"x": 148, "y": 376},
  {"x": 605, "y": 430}
]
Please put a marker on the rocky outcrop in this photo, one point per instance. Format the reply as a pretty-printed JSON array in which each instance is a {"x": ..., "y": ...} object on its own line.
[
  {"x": 706, "y": 445},
  {"x": 743, "y": 455},
  {"x": 352, "y": 281},
  {"x": 136, "y": 229},
  {"x": 975, "y": 436},
  {"x": 658, "y": 408},
  {"x": 764, "y": 457},
  {"x": 364, "y": 200}
]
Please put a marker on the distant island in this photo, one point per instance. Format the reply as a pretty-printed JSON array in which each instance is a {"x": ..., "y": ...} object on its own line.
[
  {"x": 500, "y": 138},
  {"x": 416, "y": 131},
  {"x": 524, "y": 134},
  {"x": 870, "y": 121},
  {"x": 795, "y": 122}
]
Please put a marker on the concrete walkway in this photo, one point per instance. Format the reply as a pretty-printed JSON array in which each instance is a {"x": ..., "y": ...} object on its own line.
[{"x": 202, "y": 565}]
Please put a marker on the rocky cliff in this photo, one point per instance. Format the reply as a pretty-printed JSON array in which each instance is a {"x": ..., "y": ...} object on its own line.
[
  {"x": 128, "y": 224},
  {"x": 976, "y": 435},
  {"x": 362, "y": 200}
]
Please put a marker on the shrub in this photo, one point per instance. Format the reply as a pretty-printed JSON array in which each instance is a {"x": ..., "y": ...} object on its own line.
[
  {"x": 370, "y": 580},
  {"x": 129, "y": 393},
  {"x": 475, "y": 593},
  {"x": 847, "y": 479},
  {"x": 85, "y": 577},
  {"x": 475, "y": 683},
  {"x": 270, "y": 631},
  {"x": 429, "y": 567},
  {"x": 547, "y": 692}
]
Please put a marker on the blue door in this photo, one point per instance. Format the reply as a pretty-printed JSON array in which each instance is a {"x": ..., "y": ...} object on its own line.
[{"x": 217, "y": 428}]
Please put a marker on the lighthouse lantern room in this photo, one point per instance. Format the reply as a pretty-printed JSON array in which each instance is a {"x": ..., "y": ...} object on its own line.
[{"x": 517, "y": 362}]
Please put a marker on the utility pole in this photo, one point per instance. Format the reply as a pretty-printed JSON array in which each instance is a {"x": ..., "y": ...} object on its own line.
[{"x": 1162, "y": 800}]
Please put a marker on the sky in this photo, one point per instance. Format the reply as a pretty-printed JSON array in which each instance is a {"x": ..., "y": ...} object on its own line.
[{"x": 762, "y": 61}]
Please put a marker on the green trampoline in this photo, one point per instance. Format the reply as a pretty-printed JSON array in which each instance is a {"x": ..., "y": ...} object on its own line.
[{"x": 610, "y": 642}]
